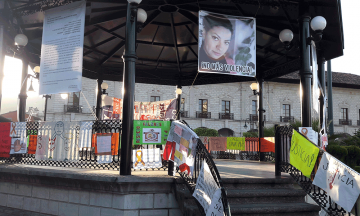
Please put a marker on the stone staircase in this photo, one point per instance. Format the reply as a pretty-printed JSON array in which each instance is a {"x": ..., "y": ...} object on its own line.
[{"x": 254, "y": 197}]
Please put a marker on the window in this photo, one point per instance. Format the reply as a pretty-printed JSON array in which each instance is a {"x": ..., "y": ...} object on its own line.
[
  {"x": 203, "y": 105},
  {"x": 344, "y": 113},
  {"x": 253, "y": 107},
  {"x": 74, "y": 99},
  {"x": 286, "y": 109},
  {"x": 225, "y": 107},
  {"x": 154, "y": 98},
  {"x": 182, "y": 108}
]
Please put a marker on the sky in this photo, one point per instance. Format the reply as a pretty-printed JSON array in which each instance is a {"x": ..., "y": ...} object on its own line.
[{"x": 344, "y": 64}]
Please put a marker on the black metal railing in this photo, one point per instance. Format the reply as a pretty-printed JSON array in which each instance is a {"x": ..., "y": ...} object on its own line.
[
  {"x": 226, "y": 116},
  {"x": 283, "y": 136},
  {"x": 255, "y": 117},
  {"x": 86, "y": 152},
  {"x": 203, "y": 114},
  {"x": 345, "y": 122},
  {"x": 287, "y": 119},
  {"x": 72, "y": 108},
  {"x": 184, "y": 114},
  {"x": 201, "y": 155}
]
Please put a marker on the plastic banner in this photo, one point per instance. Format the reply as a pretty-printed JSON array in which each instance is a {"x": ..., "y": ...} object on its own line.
[
  {"x": 146, "y": 158},
  {"x": 339, "y": 181},
  {"x": 151, "y": 132},
  {"x": 303, "y": 154},
  {"x": 62, "y": 49},
  {"x": 217, "y": 143},
  {"x": 266, "y": 146},
  {"x": 32, "y": 144},
  {"x": 235, "y": 143},
  {"x": 227, "y": 44},
  {"x": 5, "y": 139}
]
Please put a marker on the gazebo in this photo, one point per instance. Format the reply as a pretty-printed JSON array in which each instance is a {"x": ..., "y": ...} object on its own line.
[{"x": 166, "y": 45}]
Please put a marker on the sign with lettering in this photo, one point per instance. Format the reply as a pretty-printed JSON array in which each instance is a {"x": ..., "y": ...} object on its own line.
[
  {"x": 5, "y": 139},
  {"x": 62, "y": 49},
  {"x": 338, "y": 180},
  {"x": 236, "y": 143},
  {"x": 208, "y": 193},
  {"x": 266, "y": 146},
  {"x": 309, "y": 133},
  {"x": 146, "y": 158},
  {"x": 151, "y": 132},
  {"x": 303, "y": 154},
  {"x": 217, "y": 143}
]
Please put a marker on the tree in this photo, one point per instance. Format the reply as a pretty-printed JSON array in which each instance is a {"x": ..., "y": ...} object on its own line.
[{"x": 206, "y": 132}]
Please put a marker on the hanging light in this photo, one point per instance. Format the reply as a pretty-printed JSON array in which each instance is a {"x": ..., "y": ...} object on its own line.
[
  {"x": 286, "y": 36},
  {"x": 31, "y": 88},
  {"x": 141, "y": 15},
  {"x": 254, "y": 87},
  {"x": 178, "y": 91},
  {"x": 104, "y": 86},
  {"x": 21, "y": 40},
  {"x": 318, "y": 23}
]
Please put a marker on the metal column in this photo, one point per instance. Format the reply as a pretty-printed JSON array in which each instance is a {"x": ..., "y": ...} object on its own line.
[
  {"x": 321, "y": 73},
  {"x": 98, "y": 99},
  {"x": 22, "y": 95},
  {"x": 46, "y": 100},
  {"x": 330, "y": 99},
  {"x": 305, "y": 72},
  {"x": 129, "y": 90},
  {"x": 261, "y": 115}
]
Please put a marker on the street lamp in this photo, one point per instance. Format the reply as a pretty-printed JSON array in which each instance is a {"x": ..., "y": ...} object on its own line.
[
  {"x": 104, "y": 87},
  {"x": 64, "y": 96},
  {"x": 178, "y": 91},
  {"x": 21, "y": 40},
  {"x": 254, "y": 87},
  {"x": 286, "y": 36}
]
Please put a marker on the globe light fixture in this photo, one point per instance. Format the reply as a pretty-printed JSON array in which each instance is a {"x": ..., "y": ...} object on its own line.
[
  {"x": 318, "y": 23},
  {"x": 286, "y": 36},
  {"x": 104, "y": 87},
  {"x": 141, "y": 15},
  {"x": 134, "y": 1},
  {"x": 178, "y": 91},
  {"x": 254, "y": 87},
  {"x": 37, "y": 69},
  {"x": 21, "y": 40},
  {"x": 64, "y": 96}
]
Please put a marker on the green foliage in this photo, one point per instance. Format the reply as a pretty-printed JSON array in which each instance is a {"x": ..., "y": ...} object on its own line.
[
  {"x": 353, "y": 155},
  {"x": 296, "y": 124},
  {"x": 206, "y": 132},
  {"x": 250, "y": 134},
  {"x": 337, "y": 151},
  {"x": 316, "y": 125},
  {"x": 269, "y": 132}
]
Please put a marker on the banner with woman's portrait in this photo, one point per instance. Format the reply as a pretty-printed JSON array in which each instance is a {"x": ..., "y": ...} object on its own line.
[{"x": 227, "y": 44}]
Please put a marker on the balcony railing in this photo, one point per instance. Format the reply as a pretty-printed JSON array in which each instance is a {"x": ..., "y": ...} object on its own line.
[
  {"x": 226, "y": 116},
  {"x": 184, "y": 114},
  {"x": 287, "y": 119},
  {"x": 345, "y": 122},
  {"x": 72, "y": 109},
  {"x": 255, "y": 117},
  {"x": 203, "y": 114},
  {"x": 358, "y": 122}
]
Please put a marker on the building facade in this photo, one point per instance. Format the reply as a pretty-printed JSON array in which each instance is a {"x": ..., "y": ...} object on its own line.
[{"x": 224, "y": 107}]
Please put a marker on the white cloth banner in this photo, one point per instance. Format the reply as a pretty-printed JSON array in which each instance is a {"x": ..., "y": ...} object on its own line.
[
  {"x": 338, "y": 180},
  {"x": 42, "y": 148},
  {"x": 208, "y": 193},
  {"x": 146, "y": 158},
  {"x": 18, "y": 138},
  {"x": 86, "y": 134},
  {"x": 63, "y": 140},
  {"x": 62, "y": 49}
]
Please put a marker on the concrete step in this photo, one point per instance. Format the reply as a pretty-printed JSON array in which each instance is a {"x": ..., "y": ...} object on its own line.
[{"x": 258, "y": 183}]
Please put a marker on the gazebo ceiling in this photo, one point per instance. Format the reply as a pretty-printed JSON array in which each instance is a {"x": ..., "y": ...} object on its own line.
[{"x": 167, "y": 45}]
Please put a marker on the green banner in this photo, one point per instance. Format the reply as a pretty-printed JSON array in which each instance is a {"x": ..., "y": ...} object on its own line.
[
  {"x": 236, "y": 143},
  {"x": 151, "y": 132},
  {"x": 303, "y": 154}
]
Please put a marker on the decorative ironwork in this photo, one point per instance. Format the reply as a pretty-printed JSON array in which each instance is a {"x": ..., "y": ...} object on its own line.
[
  {"x": 345, "y": 122},
  {"x": 201, "y": 155},
  {"x": 255, "y": 117},
  {"x": 184, "y": 114},
  {"x": 283, "y": 135},
  {"x": 87, "y": 157},
  {"x": 287, "y": 119},
  {"x": 203, "y": 114},
  {"x": 72, "y": 109},
  {"x": 226, "y": 116}
]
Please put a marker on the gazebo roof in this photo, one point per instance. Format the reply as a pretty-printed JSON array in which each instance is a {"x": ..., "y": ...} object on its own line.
[{"x": 167, "y": 46}]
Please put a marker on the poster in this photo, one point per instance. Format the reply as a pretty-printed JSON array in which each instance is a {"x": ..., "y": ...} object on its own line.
[
  {"x": 310, "y": 134},
  {"x": 303, "y": 154},
  {"x": 208, "y": 193},
  {"x": 158, "y": 110},
  {"x": 5, "y": 139},
  {"x": 266, "y": 146},
  {"x": 338, "y": 180},
  {"x": 181, "y": 149},
  {"x": 236, "y": 143},
  {"x": 42, "y": 148},
  {"x": 62, "y": 49},
  {"x": 19, "y": 139},
  {"x": 103, "y": 144},
  {"x": 217, "y": 143},
  {"x": 63, "y": 140},
  {"x": 32, "y": 144},
  {"x": 85, "y": 134},
  {"x": 227, "y": 44},
  {"x": 151, "y": 132},
  {"x": 107, "y": 158},
  {"x": 146, "y": 158}
]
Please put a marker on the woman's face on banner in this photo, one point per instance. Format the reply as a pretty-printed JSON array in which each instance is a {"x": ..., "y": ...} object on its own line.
[{"x": 217, "y": 41}]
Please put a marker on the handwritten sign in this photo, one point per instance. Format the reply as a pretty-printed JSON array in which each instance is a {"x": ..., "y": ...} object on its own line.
[
  {"x": 303, "y": 154},
  {"x": 338, "y": 180},
  {"x": 236, "y": 143},
  {"x": 217, "y": 144},
  {"x": 5, "y": 139},
  {"x": 207, "y": 192},
  {"x": 103, "y": 144}
]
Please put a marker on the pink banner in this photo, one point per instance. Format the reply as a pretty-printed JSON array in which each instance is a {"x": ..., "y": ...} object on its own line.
[{"x": 5, "y": 139}]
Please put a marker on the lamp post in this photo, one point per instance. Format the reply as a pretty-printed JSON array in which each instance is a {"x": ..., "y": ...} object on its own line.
[
  {"x": 318, "y": 24},
  {"x": 37, "y": 75},
  {"x": 258, "y": 90},
  {"x": 98, "y": 99},
  {"x": 133, "y": 16}
]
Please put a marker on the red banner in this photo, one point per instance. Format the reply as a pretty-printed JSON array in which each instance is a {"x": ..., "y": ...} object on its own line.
[
  {"x": 32, "y": 144},
  {"x": 5, "y": 139},
  {"x": 267, "y": 146}
]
